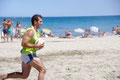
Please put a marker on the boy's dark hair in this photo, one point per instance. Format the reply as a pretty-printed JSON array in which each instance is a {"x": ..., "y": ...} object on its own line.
[
  {"x": 4, "y": 19},
  {"x": 35, "y": 18}
]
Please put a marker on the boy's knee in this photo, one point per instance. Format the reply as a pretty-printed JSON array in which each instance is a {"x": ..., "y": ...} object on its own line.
[
  {"x": 42, "y": 70},
  {"x": 24, "y": 76}
]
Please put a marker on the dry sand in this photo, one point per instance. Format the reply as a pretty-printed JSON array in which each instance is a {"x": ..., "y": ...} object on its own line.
[{"x": 69, "y": 59}]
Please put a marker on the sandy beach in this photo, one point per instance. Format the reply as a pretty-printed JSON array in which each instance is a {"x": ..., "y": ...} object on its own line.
[{"x": 69, "y": 59}]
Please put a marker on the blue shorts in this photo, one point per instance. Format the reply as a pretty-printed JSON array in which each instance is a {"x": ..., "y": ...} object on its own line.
[
  {"x": 10, "y": 32},
  {"x": 28, "y": 58},
  {"x": 5, "y": 31}
]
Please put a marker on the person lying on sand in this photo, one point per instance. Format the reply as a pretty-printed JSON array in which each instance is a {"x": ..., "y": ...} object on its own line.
[{"x": 67, "y": 34}]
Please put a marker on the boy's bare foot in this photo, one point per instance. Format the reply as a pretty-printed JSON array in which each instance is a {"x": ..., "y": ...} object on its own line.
[{"x": 3, "y": 76}]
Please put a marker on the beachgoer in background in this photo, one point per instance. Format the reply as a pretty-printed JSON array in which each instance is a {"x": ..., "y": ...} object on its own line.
[
  {"x": 10, "y": 29},
  {"x": 113, "y": 31},
  {"x": 104, "y": 34},
  {"x": 5, "y": 29},
  {"x": 118, "y": 30},
  {"x": 68, "y": 34},
  {"x": 99, "y": 33},
  {"x": 28, "y": 53},
  {"x": 24, "y": 27},
  {"x": 11, "y": 33},
  {"x": 51, "y": 35},
  {"x": 87, "y": 33},
  {"x": 42, "y": 34},
  {"x": 18, "y": 30}
]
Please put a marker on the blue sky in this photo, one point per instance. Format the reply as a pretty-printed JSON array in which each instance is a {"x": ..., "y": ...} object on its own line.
[{"x": 27, "y": 8}]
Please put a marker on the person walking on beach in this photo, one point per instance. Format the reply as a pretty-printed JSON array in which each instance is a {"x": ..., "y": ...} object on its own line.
[
  {"x": 28, "y": 52},
  {"x": 18, "y": 30},
  {"x": 10, "y": 29},
  {"x": 5, "y": 29}
]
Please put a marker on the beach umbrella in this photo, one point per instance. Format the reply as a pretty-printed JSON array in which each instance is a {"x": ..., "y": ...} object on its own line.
[
  {"x": 94, "y": 29},
  {"x": 46, "y": 31},
  {"x": 79, "y": 30}
]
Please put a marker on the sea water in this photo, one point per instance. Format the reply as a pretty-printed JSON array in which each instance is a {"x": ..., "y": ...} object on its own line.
[{"x": 58, "y": 25}]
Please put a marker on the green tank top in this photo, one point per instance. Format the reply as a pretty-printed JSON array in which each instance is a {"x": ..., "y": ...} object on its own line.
[{"x": 26, "y": 50}]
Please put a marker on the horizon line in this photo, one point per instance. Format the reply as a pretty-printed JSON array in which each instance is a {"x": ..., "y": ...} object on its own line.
[{"x": 64, "y": 16}]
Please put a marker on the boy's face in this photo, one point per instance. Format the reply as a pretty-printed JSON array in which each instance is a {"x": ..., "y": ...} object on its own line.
[{"x": 39, "y": 22}]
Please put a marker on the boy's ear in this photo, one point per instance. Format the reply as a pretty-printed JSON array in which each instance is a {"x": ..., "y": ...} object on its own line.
[{"x": 35, "y": 22}]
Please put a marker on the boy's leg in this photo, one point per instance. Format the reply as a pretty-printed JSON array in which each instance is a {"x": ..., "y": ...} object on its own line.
[
  {"x": 24, "y": 74},
  {"x": 37, "y": 64}
]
